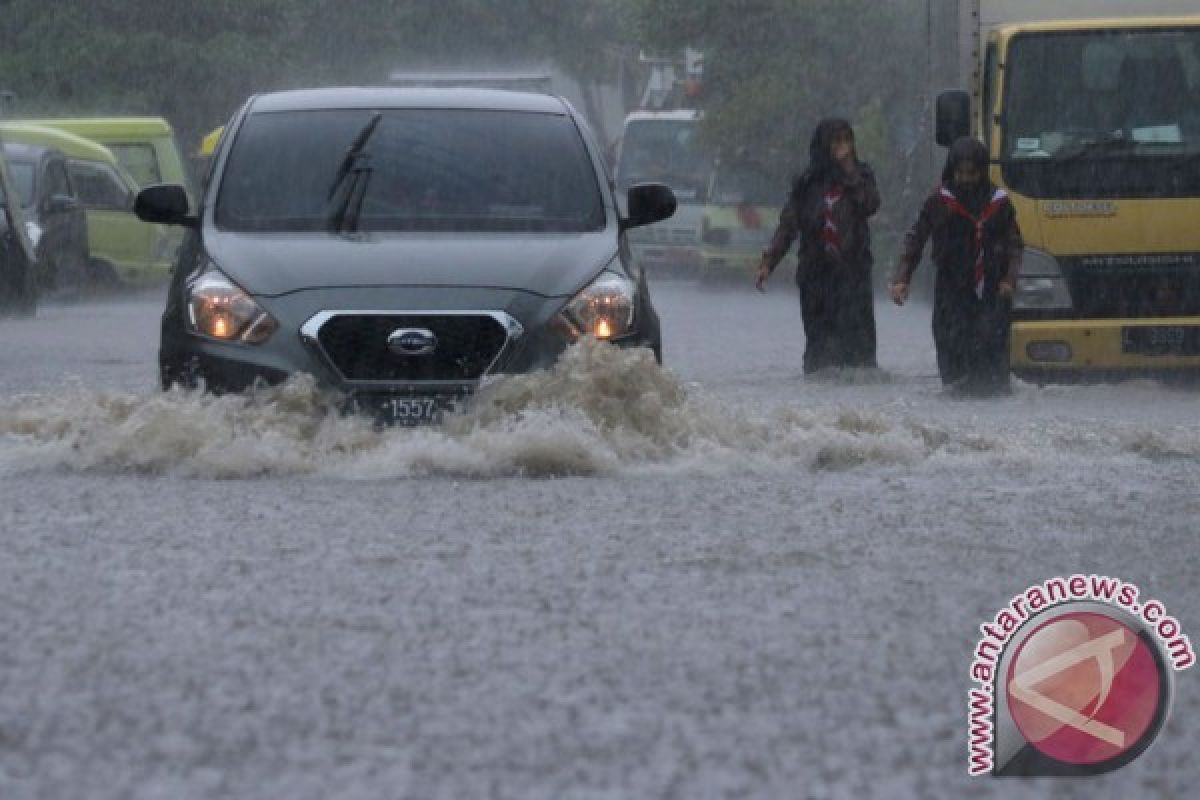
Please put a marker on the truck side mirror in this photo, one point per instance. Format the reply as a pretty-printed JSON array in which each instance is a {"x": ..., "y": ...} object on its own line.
[
  {"x": 165, "y": 204},
  {"x": 649, "y": 203},
  {"x": 953, "y": 116}
]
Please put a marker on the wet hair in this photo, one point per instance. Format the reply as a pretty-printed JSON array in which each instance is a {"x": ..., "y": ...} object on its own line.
[
  {"x": 966, "y": 151},
  {"x": 820, "y": 159}
]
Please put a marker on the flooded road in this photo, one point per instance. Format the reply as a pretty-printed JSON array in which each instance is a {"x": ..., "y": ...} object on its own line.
[{"x": 716, "y": 580}]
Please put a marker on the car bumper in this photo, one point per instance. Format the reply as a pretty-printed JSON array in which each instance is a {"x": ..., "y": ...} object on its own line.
[
  {"x": 1095, "y": 346},
  {"x": 190, "y": 359}
]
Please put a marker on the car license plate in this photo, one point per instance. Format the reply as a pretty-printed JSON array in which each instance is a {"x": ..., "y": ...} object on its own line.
[
  {"x": 411, "y": 409},
  {"x": 1161, "y": 340}
]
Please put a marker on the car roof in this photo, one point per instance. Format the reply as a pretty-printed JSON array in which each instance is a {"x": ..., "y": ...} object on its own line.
[
  {"x": 393, "y": 97},
  {"x": 70, "y": 144},
  {"x": 108, "y": 127}
]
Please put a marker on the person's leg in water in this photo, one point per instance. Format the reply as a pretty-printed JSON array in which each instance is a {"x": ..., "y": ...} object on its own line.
[
  {"x": 856, "y": 333},
  {"x": 952, "y": 338},
  {"x": 816, "y": 311},
  {"x": 989, "y": 366}
]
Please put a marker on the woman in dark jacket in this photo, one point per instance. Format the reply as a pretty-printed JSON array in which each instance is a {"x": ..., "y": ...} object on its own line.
[
  {"x": 977, "y": 251},
  {"x": 827, "y": 211}
]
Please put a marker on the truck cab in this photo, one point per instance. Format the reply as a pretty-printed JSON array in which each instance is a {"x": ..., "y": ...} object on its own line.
[{"x": 1093, "y": 126}]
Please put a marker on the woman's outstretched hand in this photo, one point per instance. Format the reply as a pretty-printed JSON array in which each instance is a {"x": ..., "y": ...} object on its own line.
[
  {"x": 760, "y": 278},
  {"x": 899, "y": 293}
]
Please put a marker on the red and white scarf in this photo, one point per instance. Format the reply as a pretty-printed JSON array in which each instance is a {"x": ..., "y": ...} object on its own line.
[
  {"x": 999, "y": 201},
  {"x": 830, "y": 235}
]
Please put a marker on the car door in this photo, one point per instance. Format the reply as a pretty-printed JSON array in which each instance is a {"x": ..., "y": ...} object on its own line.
[
  {"x": 64, "y": 223},
  {"x": 117, "y": 239}
]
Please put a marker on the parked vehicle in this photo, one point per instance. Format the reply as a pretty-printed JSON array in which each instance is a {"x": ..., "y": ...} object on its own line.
[
  {"x": 401, "y": 245},
  {"x": 121, "y": 248},
  {"x": 662, "y": 146},
  {"x": 1094, "y": 128},
  {"x": 144, "y": 146},
  {"x": 54, "y": 218},
  {"x": 18, "y": 259},
  {"x": 744, "y": 203}
]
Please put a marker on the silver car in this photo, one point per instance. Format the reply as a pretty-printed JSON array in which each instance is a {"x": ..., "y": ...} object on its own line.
[{"x": 401, "y": 245}]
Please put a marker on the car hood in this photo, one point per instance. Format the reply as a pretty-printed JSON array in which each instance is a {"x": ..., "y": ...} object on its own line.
[{"x": 545, "y": 264}]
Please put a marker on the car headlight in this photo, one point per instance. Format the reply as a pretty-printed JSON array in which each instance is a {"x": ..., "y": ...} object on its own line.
[
  {"x": 1041, "y": 286},
  {"x": 605, "y": 309},
  {"x": 219, "y": 309}
]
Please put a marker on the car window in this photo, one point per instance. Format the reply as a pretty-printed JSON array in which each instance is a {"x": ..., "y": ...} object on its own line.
[
  {"x": 430, "y": 170},
  {"x": 21, "y": 173},
  {"x": 139, "y": 160},
  {"x": 56, "y": 180},
  {"x": 98, "y": 186}
]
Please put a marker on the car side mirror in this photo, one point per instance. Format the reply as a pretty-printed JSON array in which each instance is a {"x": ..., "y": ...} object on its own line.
[
  {"x": 165, "y": 204},
  {"x": 649, "y": 203},
  {"x": 60, "y": 204},
  {"x": 953, "y": 116}
]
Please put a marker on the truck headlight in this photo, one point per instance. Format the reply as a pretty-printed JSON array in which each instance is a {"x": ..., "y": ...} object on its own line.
[
  {"x": 605, "y": 309},
  {"x": 1041, "y": 286},
  {"x": 219, "y": 309}
]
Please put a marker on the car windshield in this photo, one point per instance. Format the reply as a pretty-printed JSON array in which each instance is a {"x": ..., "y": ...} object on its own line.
[
  {"x": 21, "y": 175},
  {"x": 430, "y": 170},
  {"x": 1126, "y": 94}
]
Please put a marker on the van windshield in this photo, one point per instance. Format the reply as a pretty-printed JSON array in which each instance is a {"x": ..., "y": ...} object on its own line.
[
  {"x": 429, "y": 170},
  {"x": 139, "y": 160},
  {"x": 665, "y": 151},
  {"x": 747, "y": 184}
]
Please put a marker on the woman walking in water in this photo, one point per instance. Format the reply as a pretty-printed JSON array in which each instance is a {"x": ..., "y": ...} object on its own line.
[
  {"x": 827, "y": 210},
  {"x": 977, "y": 249}
]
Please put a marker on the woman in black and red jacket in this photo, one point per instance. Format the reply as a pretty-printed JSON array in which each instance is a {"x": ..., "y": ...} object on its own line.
[
  {"x": 977, "y": 249},
  {"x": 827, "y": 210}
]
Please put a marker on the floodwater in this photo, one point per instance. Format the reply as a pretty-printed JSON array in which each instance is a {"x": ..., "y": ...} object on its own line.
[{"x": 714, "y": 580}]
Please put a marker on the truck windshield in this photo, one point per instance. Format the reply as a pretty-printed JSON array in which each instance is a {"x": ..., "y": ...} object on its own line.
[
  {"x": 664, "y": 151},
  {"x": 431, "y": 170},
  {"x": 1128, "y": 100}
]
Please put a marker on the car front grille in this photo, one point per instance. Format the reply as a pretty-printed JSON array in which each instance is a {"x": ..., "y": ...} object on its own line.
[
  {"x": 1134, "y": 287},
  {"x": 356, "y": 345}
]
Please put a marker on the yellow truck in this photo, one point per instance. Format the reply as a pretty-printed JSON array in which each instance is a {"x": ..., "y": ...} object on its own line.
[
  {"x": 121, "y": 248},
  {"x": 1091, "y": 112}
]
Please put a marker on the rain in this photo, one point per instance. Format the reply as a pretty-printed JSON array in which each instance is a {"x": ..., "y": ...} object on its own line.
[{"x": 686, "y": 566}]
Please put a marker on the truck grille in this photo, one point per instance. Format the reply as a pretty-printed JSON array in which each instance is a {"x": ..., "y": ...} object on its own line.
[
  {"x": 1121, "y": 287},
  {"x": 356, "y": 344}
]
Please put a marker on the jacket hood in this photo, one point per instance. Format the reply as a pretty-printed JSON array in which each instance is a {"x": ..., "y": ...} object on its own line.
[
  {"x": 820, "y": 161},
  {"x": 545, "y": 264}
]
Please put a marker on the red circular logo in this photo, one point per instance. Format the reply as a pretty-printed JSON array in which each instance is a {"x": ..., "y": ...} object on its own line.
[{"x": 1084, "y": 688}]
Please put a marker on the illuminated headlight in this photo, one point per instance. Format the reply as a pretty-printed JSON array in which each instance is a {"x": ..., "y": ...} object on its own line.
[
  {"x": 1041, "y": 286},
  {"x": 604, "y": 309},
  {"x": 219, "y": 309}
]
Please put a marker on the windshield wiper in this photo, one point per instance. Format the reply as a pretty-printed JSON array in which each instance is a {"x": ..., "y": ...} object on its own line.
[
  {"x": 346, "y": 196},
  {"x": 1105, "y": 142}
]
